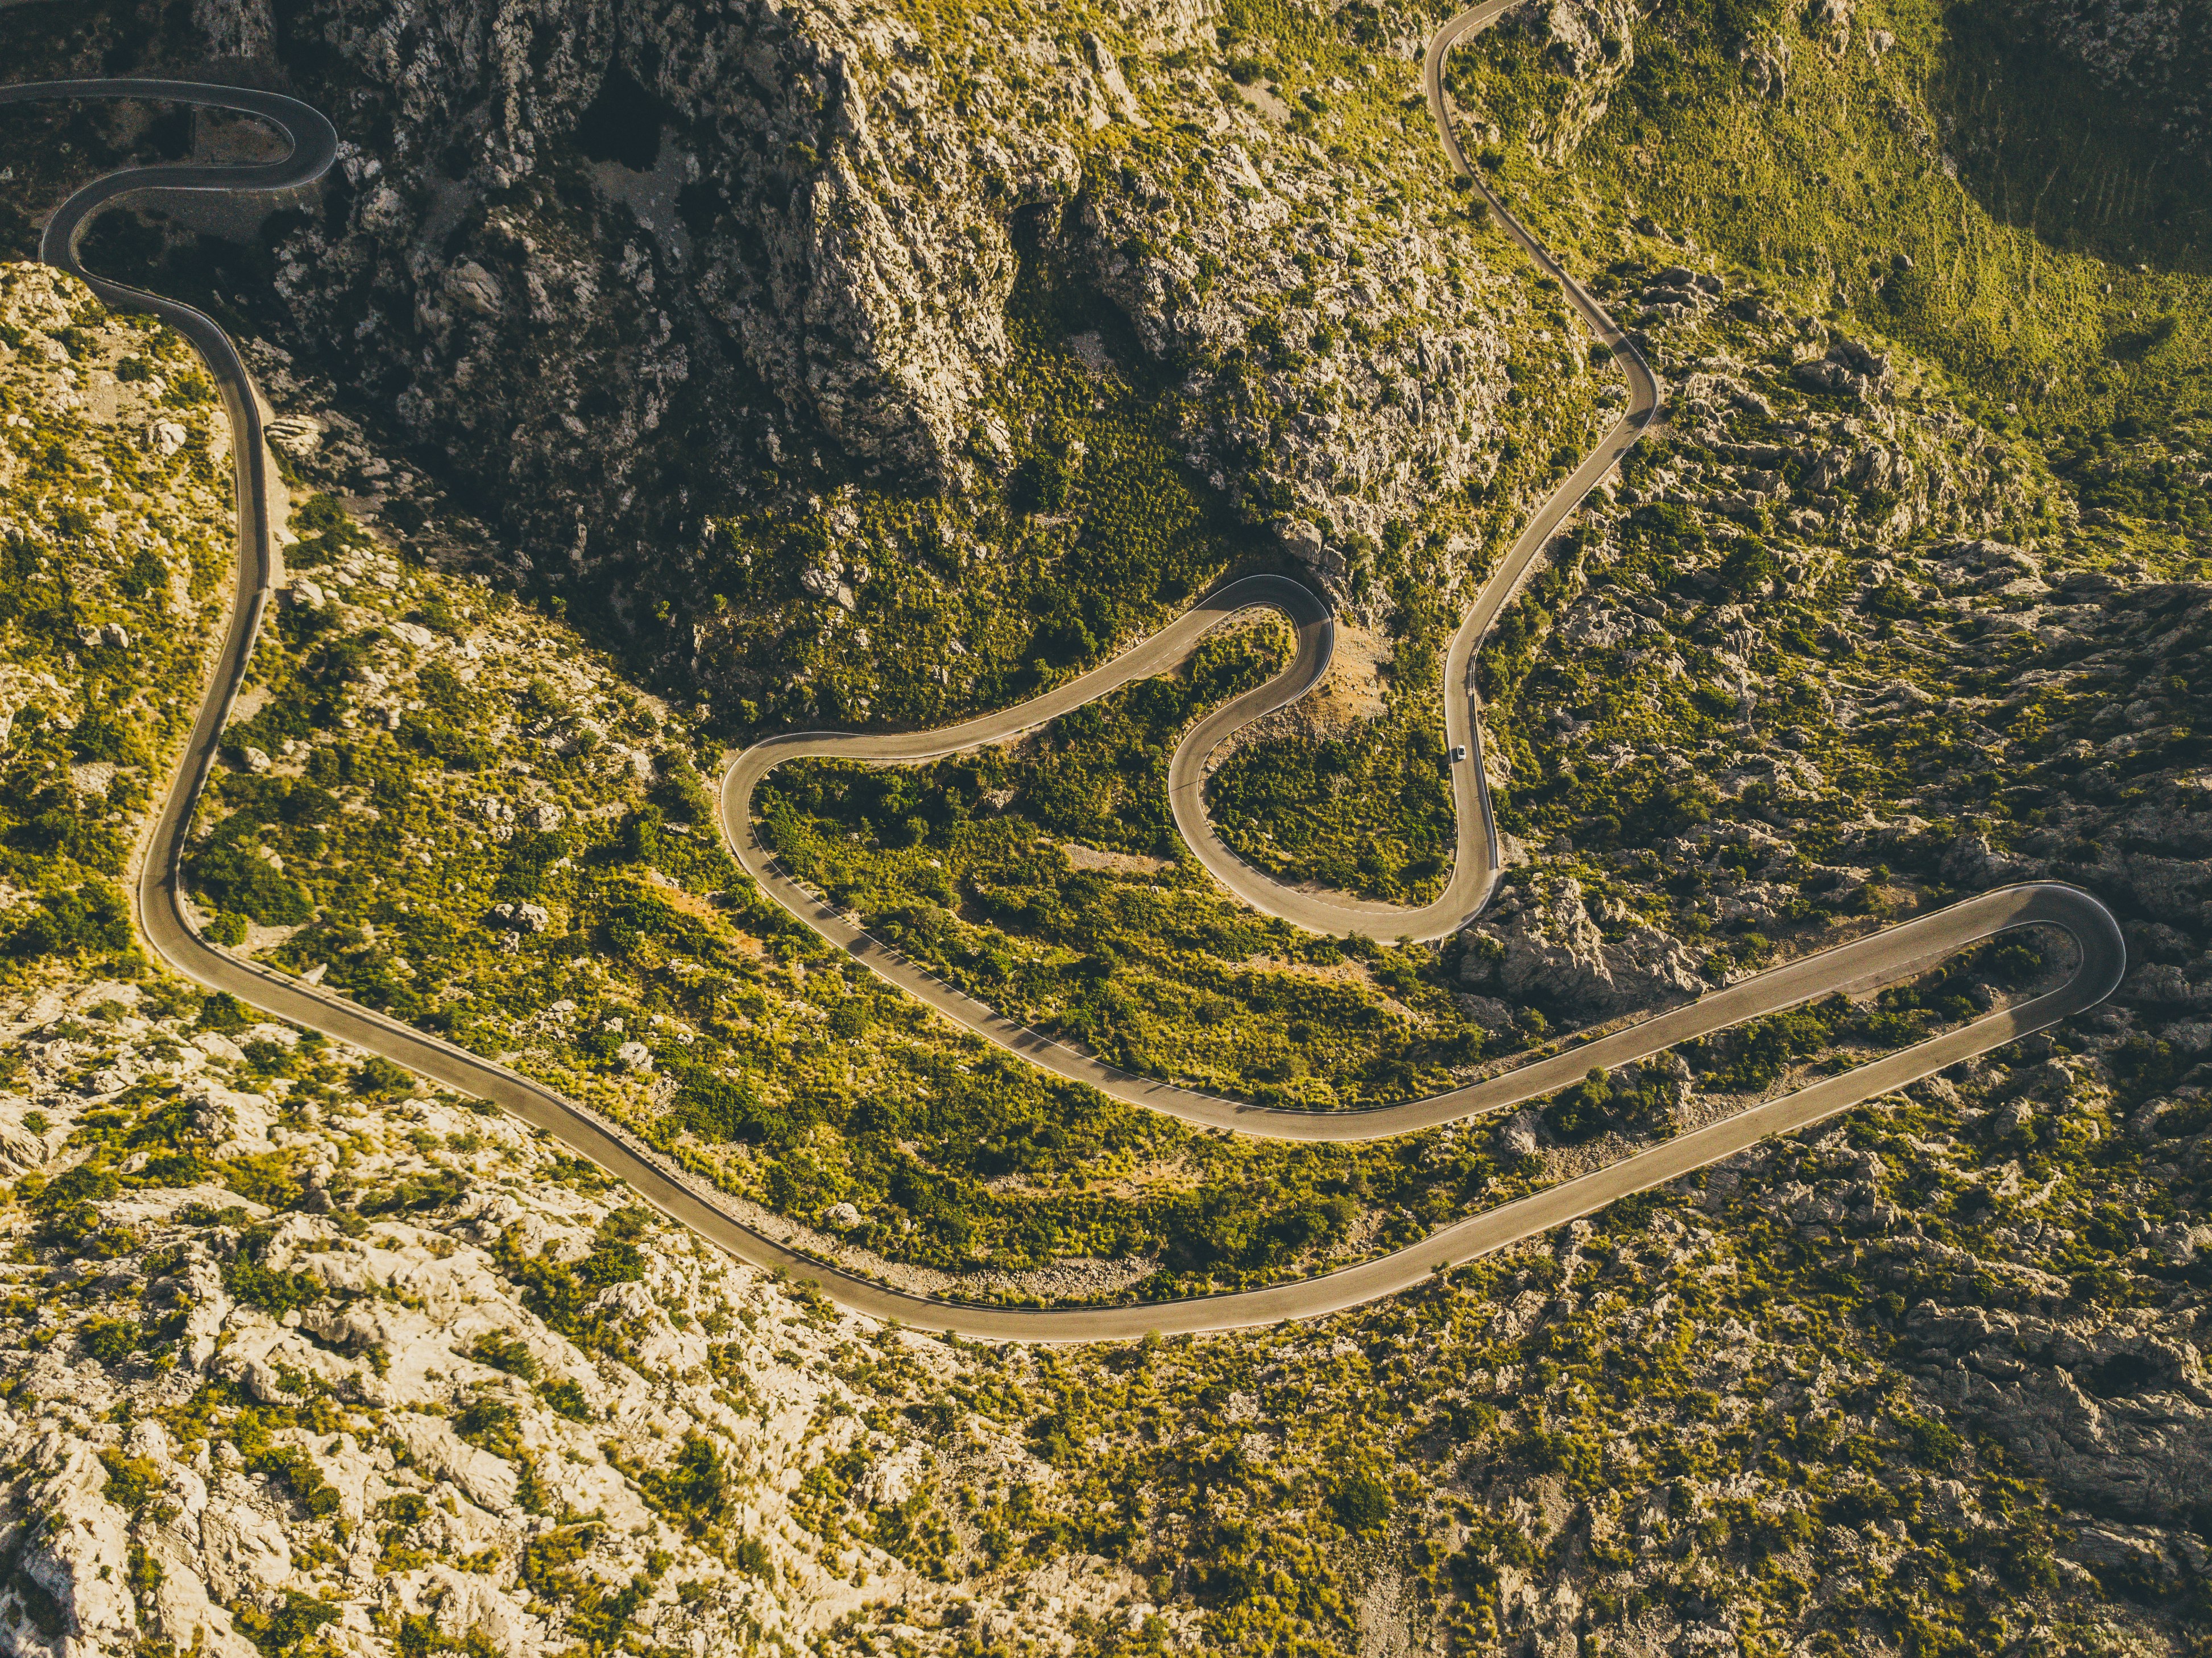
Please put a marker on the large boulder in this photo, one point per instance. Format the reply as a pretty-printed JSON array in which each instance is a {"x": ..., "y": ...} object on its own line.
[
  {"x": 1553, "y": 954},
  {"x": 1849, "y": 369}
]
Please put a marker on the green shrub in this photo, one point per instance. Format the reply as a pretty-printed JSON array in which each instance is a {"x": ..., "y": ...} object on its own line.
[
  {"x": 90, "y": 919},
  {"x": 250, "y": 1280},
  {"x": 222, "y": 1012},
  {"x": 131, "y": 1480},
  {"x": 490, "y": 1423},
  {"x": 567, "y": 1399},
  {"x": 503, "y": 1351},
  {"x": 1361, "y": 1504},
  {"x": 691, "y": 1490},
  {"x": 1748, "y": 567},
  {"x": 110, "y": 1340},
  {"x": 379, "y": 1078},
  {"x": 283, "y": 1632},
  {"x": 230, "y": 873},
  {"x": 1582, "y": 1112}
]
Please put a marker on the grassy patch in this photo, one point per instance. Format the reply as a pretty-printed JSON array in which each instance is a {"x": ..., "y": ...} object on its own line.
[{"x": 1152, "y": 967}]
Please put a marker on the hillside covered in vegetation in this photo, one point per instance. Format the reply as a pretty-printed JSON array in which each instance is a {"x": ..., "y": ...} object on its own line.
[{"x": 653, "y": 378}]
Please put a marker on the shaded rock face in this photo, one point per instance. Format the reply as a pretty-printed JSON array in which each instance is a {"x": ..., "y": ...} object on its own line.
[
  {"x": 2113, "y": 1410},
  {"x": 556, "y": 222},
  {"x": 1554, "y": 954},
  {"x": 2157, "y": 53},
  {"x": 1404, "y": 413},
  {"x": 614, "y": 257}
]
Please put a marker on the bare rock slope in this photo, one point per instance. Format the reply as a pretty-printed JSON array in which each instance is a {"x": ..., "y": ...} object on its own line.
[{"x": 608, "y": 256}]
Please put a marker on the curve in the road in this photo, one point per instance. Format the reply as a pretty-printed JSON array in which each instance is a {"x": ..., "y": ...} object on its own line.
[{"x": 1877, "y": 958}]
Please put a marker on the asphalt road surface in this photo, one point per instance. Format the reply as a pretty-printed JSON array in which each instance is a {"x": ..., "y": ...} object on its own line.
[{"x": 1881, "y": 957}]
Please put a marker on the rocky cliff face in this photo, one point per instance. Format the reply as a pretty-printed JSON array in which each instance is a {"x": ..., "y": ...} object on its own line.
[
  {"x": 2155, "y": 53},
  {"x": 1590, "y": 45},
  {"x": 1545, "y": 78},
  {"x": 612, "y": 258},
  {"x": 651, "y": 207}
]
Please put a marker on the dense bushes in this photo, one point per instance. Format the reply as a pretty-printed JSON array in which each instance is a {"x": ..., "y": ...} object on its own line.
[
  {"x": 248, "y": 1279},
  {"x": 1277, "y": 802},
  {"x": 722, "y": 1109},
  {"x": 326, "y": 530},
  {"x": 237, "y": 879},
  {"x": 1510, "y": 650},
  {"x": 93, "y": 919},
  {"x": 691, "y": 1490},
  {"x": 1600, "y": 1105},
  {"x": 1226, "y": 1229}
]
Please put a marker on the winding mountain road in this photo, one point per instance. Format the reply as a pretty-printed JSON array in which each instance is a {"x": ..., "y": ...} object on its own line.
[{"x": 1879, "y": 957}]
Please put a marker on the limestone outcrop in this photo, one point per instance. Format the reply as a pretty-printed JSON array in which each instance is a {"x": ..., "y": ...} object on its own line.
[
  {"x": 624, "y": 260},
  {"x": 1552, "y": 953}
]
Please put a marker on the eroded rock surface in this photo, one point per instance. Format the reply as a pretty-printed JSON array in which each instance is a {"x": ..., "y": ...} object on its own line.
[
  {"x": 598, "y": 252},
  {"x": 1552, "y": 953},
  {"x": 473, "y": 1396}
]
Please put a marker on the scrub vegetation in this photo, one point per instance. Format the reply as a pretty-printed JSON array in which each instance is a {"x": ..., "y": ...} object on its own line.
[
  {"x": 447, "y": 810},
  {"x": 1049, "y": 881}
]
